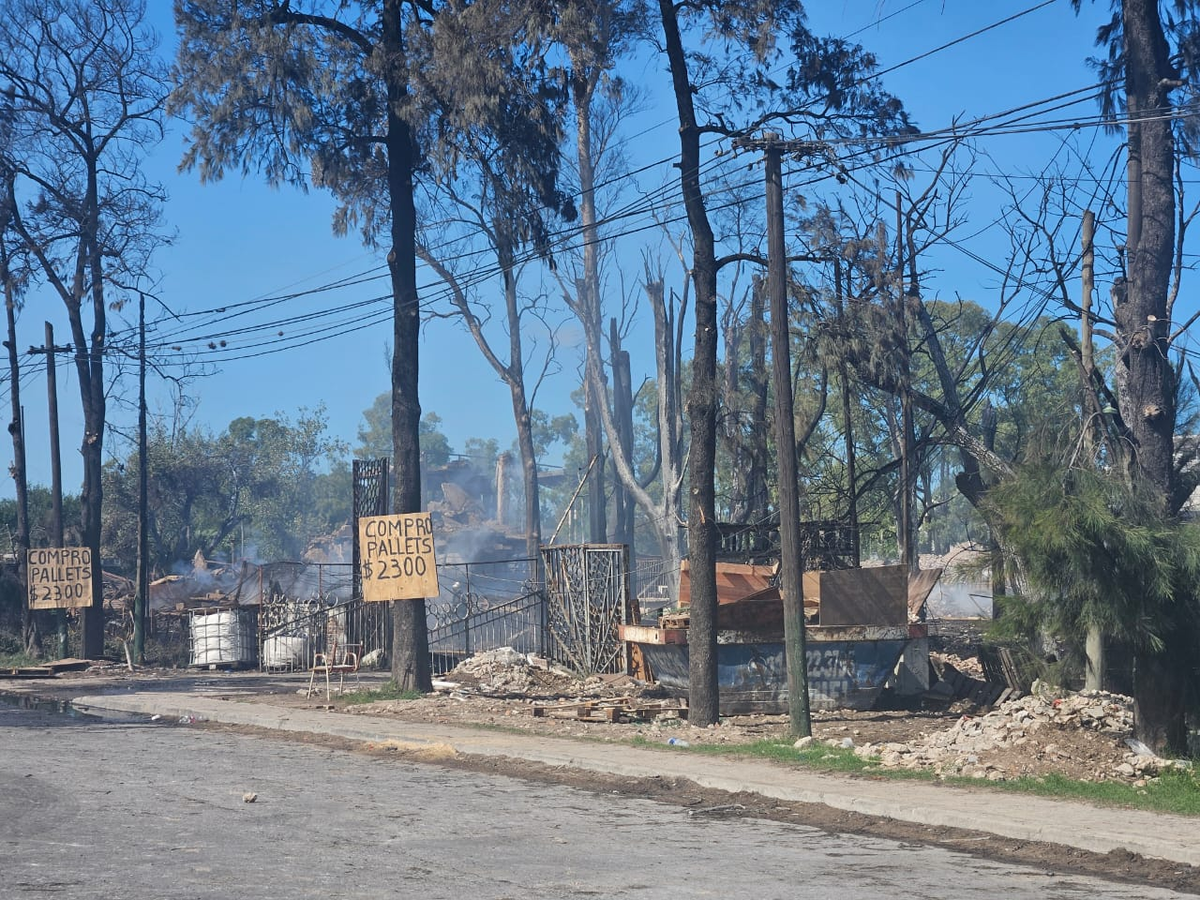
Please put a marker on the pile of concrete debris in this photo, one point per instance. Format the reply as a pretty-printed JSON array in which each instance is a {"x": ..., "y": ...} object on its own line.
[
  {"x": 1044, "y": 725},
  {"x": 506, "y": 672}
]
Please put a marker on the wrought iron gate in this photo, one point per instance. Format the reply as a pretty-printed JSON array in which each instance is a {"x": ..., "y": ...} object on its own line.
[
  {"x": 370, "y": 479},
  {"x": 587, "y": 596}
]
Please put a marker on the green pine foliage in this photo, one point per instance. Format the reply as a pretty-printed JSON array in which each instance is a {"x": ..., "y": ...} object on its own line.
[{"x": 1092, "y": 551}]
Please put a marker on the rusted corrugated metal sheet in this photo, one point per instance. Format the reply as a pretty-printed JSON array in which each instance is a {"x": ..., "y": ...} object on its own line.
[{"x": 847, "y": 669}]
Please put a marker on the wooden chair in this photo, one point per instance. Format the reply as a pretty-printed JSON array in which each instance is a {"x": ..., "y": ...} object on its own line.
[{"x": 341, "y": 659}]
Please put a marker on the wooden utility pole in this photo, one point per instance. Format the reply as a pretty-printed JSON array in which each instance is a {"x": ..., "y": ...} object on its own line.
[
  {"x": 1094, "y": 644},
  {"x": 791, "y": 585},
  {"x": 851, "y": 461},
  {"x": 56, "y": 501},
  {"x": 141, "y": 597},
  {"x": 908, "y": 537},
  {"x": 29, "y": 638}
]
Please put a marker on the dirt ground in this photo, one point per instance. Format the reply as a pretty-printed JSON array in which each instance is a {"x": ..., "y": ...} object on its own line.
[
  {"x": 1061, "y": 750},
  {"x": 1033, "y": 736}
]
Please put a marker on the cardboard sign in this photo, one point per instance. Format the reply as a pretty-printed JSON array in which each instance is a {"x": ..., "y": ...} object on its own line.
[
  {"x": 60, "y": 578},
  {"x": 396, "y": 557}
]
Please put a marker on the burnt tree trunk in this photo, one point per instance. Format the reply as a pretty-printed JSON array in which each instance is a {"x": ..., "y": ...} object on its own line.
[
  {"x": 514, "y": 376},
  {"x": 702, "y": 396},
  {"x": 30, "y": 636},
  {"x": 1145, "y": 377},
  {"x": 1144, "y": 371},
  {"x": 410, "y": 642},
  {"x": 623, "y": 502},
  {"x": 89, "y": 367}
]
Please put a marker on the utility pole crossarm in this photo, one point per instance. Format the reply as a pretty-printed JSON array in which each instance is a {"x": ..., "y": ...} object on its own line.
[
  {"x": 773, "y": 142},
  {"x": 43, "y": 351}
]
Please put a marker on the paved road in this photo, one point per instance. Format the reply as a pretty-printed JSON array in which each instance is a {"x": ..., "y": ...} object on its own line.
[{"x": 96, "y": 809}]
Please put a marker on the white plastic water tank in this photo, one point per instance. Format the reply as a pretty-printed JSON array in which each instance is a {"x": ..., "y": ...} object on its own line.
[
  {"x": 281, "y": 651},
  {"x": 222, "y": 637}
]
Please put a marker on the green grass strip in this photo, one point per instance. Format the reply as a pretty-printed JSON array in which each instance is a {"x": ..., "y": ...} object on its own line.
[
  {"x": 1174, "y": 791},
  {"x": 389, "y": 691}
]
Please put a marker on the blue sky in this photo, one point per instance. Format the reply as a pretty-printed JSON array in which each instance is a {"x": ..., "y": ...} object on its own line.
[{"x": 239, "y": 240}]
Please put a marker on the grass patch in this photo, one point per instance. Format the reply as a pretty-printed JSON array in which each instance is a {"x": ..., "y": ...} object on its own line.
[
  {"x": 1175, "y": 791},
  {"x": 17, "y": 660},
  {"x": 389, "y": 691},
  {"x": 819, "y": 757}
]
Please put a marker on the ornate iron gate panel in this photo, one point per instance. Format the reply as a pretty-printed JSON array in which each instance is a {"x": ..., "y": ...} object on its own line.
[
  {"x": 587, "y": 596},
  {"x": 483, "y": 606},
  {"x": 370, "y": 480}
]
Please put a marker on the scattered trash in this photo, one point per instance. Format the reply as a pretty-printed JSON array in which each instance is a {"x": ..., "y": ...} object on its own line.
[
  {"x": 727, "y": 810},
  {"x": 372, "y": 660},
  {"x": 1138, "y": 747},
  {"x": 249, "y": 797},
  {"x": 678, "y": 742},
  {"x": 188, "y": 720},
  {"x": 155, "y": 717}
]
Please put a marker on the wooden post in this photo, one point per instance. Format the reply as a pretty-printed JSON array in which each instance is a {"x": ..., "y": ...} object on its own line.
[
  {"x": 851, "y": 461},
  {"x": 30, "y": 638},
  {"x": 56, "y": 513},
  {"x": 1094, "y": 644},
  {"x": 791, "y": 570},
  {"x": 141, "y": 597},
  {"x": 907, "y": 529}
]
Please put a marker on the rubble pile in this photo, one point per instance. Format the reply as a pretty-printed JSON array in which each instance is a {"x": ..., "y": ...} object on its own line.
[
  {"x": 1031, "y": 735},
  {"x": 969, "y": 666},
  {"x": 505, "y": 672}
]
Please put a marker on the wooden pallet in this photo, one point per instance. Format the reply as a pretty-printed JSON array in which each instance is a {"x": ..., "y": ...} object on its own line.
[
  {"x": 622, "y": 709},
  {"x": 957, "y": 686},
  {"x": 1002, "y": 666},
  {"x": 28, "y": 672}
]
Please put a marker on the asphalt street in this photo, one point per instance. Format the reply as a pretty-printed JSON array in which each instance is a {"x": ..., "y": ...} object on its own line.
[{"x": 95, "y": 809}]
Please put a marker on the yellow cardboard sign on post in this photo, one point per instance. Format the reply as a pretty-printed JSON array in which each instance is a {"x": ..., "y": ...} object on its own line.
[
  {"x": 60, "y": 577},
  {"x": 395, "y": 556}
]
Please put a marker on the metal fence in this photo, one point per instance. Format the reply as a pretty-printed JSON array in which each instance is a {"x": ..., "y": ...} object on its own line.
[
  {"x": 482, "y": 606},
  {"x": 292, "y": 629},
  {"x": 304, "y": 609},
  {"x": 332, "y": 582}
]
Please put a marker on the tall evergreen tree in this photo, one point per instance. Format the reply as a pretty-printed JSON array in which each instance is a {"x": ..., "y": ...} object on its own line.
[
  {"x": 345, "y": 96},
  {"x": 1152, "y": 63}
]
